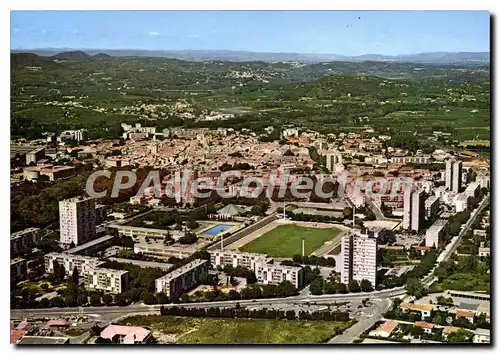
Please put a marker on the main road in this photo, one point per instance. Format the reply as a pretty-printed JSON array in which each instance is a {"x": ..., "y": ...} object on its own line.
[{"x": 111, "y": 312}]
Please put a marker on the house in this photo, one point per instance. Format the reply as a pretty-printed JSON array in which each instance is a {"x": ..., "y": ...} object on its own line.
[
  {"x": 16, "y": 335},
  {"x": 424, "y": 309},
  {"x": 126, "y": 334},
  {"x": 427, "y": 327},
  {"x": 385, "y": 329},
  {"x": 449, "y": 330},
  {"x": 467, "y": 314},
  {"x": 481, "y": 336},
  {"x": 484, "y": 251}
]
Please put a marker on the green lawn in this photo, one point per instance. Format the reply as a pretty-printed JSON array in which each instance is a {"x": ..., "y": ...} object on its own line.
[
  {"x": 189, "y": 330},
  {"x": 286, "y": 240}
]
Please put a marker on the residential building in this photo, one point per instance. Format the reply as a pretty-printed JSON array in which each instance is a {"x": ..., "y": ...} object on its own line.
[
  {"x": 235, "y": 258},
  {"x": 461, "y": 202},
  {"x": 126, "y": 334},
  {"x": 49, "y": 172},
  {"x": 413, "y": 208},
  {"x": 426, "y": 326},
  {"x": 182, "y": 279},
  {"x": 423, "y": 159},
  {"x": 472, "y": 190},
  {"x": 434, "y": 234},
  {"x": 483, "y": 251},
  {"x": 110, "y": 280},
  {"x": 133, "y": 231},
  {"x": 481, "y": 336},
  {"x": 25, "y": 239},
  {"x": 453, "y": 176},
  {"x": 18, "y": 269},
  {"x": 424, "y": 309},
  {"x": 77, "y": 220},
  {"x": 358, "y": 257},
  {"x": 275, "y": 274},
  {"x": 467, "y": 314},
  {"x": 69, "y": 262},
  {"x": 332, "y": 159},
  {"x": 35, "y": 155},
  {"x": 385, "y": 329},
  {"x": 431, "y": 207}
]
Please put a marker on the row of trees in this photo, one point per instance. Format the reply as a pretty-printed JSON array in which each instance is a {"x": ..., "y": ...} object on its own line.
[
  {"x": 239, "y": 312},
  {"x": 320, "y": 286}
]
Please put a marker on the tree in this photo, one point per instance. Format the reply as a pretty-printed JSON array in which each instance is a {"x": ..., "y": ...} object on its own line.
[
  {"x": 414, "y": 287},
  {"x": 366, "y": 286},
  {"x": 107, "y": 299},
  {"x": 162, "y": 298},
  {"x": 82, "y": 299},
  {"x": 297, "y": 258},
  {"x": 328, "y": 287},
  {"x": 354, "y": 286},
  {"x": 95, "y": 300},
  {"x": 250, "y": 277},
  {"x": 234, "y": 295},
  {"x": 185, "y": 297},
  {"x": 416, "y": 331},
  {"x": 148, "y": 298},
  {"x": 460, "y": 336},
  {"x": 340, "y": 288},
  {"x": 59, "y": 271},
  {"x": 316, "y": 286},
  {"x": 74, "y": 276},
  {"x": 286, "y": 288}
]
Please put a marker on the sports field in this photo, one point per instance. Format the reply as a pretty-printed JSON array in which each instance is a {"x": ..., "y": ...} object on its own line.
[{"x": 286, "y": 240}]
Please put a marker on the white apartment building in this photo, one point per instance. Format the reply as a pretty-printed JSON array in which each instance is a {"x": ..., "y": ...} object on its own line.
[
  {"x": 358, "y": 257},
  {"x": 453, "y": 175},
  {"x": 275, "y": 274},
  {"x": 24, "y": 239},
  {"x": 413, "y": 208},
  {"x": 235, "y": 258},
  {"x": 95, "y": 277},
  {"x": 333, "y": 159},
  {"x": 431, "y": 206},
  {"x": 435, "y": 232},
  {"x": 472, "y": 190},
  {"x": 69, "y": 262},
  {"x": 182, "y": 279},
  {"x": 411, "y": 159},
  {"x": 110, "y": 280},
  {"x": 77, "y": 220},
  {"x": 461, "y": 202}
]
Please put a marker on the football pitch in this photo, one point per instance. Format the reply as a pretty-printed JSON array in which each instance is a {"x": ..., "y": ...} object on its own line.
[{"x": 286, "y": 240}]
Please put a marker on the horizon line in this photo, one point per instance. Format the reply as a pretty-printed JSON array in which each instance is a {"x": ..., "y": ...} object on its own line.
[{"x": 241, "y": 50}]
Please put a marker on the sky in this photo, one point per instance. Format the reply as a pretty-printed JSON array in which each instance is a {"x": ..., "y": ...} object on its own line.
[{"x": 337, "y": 32}]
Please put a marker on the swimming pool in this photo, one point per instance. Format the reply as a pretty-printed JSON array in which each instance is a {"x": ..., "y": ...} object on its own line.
[{"x": 217, "y": 229}]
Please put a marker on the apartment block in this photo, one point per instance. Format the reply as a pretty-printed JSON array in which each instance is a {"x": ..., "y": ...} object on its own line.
[
  {"x": 182, "y": 279},
  {"x": 472, "y": 190},
  {"x": 69, "y": 262},
  {"x": 35, "y": 155},
  {"x": 453, "y": 175},
  {"x": 461, "y": 202},
  {"x": 358, "y": 257},
  {"x": 235, "y": 258},
  {"x": 332, "y": 159},
  {"x": 24, "y": 239},
  {"x": 110, "y": 280},
  {"x": 18, "y": 269},
  {"x": 77, "y": 220},
  {"x": 413, "y": 208},
  {"x": 275, "y": 274},
  {"x": 434, "y": 233},
  {"x": 431, "y": 207}
]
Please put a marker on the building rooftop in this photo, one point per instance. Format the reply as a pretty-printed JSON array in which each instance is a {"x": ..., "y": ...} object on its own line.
[
  {"x": 437, "y": 225},
  {"x": 17, "y": 260},
  {"x": 423, "y": 324},
  {"x": 387, "y": 327},
  {"x": 89, "y": 244},
  {"x": 130, "y": 333},
  {"x": 416, "y": 307},
  {"x": 23, "y": 232},
  {"x": 143, "y": 264},
  {"x": 184, "y": 269}
]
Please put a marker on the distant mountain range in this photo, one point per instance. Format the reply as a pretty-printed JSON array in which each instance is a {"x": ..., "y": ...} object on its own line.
[{"x": 240, "y": 56}]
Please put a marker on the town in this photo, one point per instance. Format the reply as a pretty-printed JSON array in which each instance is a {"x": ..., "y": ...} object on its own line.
[{"x": 164, "y": 196}]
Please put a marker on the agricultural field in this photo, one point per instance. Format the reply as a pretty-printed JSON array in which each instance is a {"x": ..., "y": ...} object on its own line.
[
  {"x": 285, "y": 241},
  {"x": 189, "y": 330}
]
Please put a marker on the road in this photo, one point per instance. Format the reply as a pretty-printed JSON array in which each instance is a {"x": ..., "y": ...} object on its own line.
[
  {"x": 365, "y": 321},
  {"x": 108, "y": 313},
  {"x": 453, "y": 245},
  {"x": 378, "y": 213}
]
